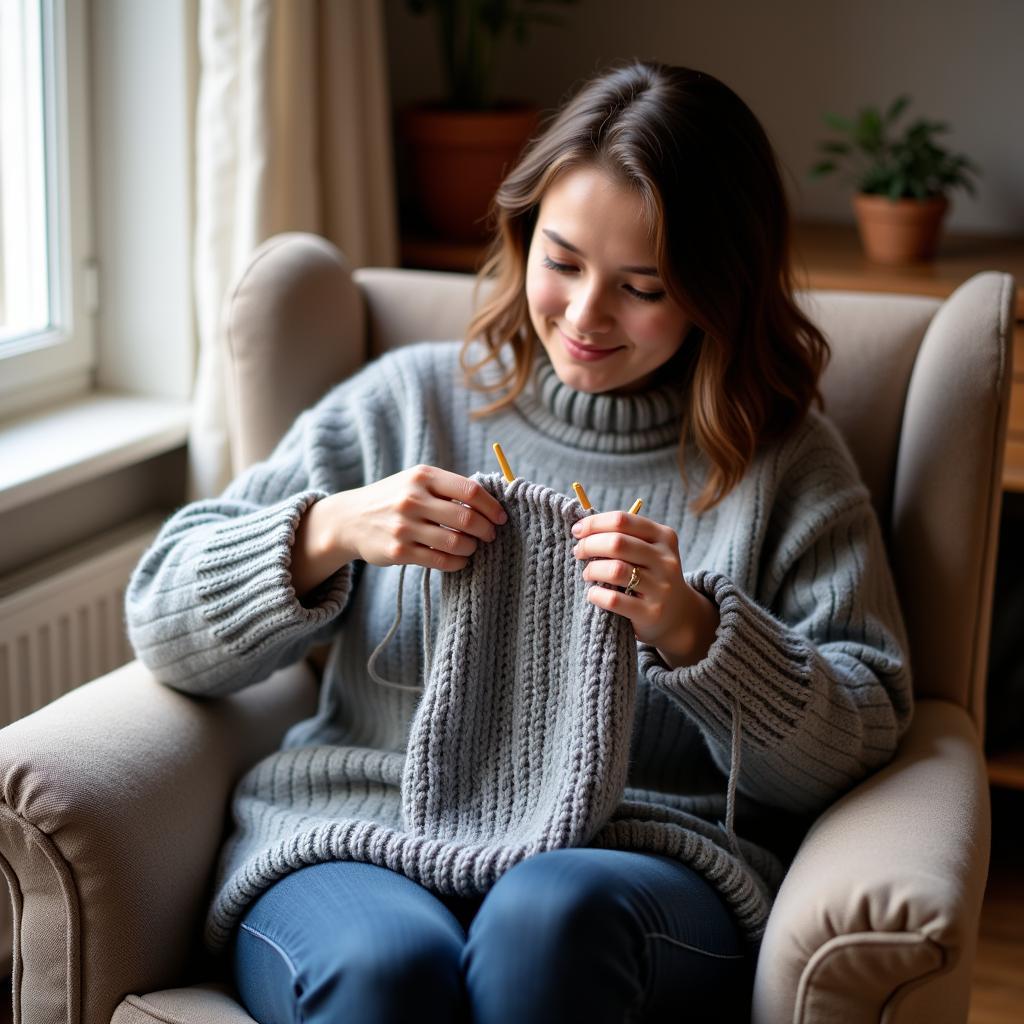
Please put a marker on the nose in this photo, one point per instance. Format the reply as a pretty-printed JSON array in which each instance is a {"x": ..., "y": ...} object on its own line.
[{"x": 587, "y": 312}]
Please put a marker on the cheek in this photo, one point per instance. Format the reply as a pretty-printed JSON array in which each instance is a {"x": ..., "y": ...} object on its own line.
[
  {"x": 544, "y": 296},
  {"x": 657, "y": 327}
]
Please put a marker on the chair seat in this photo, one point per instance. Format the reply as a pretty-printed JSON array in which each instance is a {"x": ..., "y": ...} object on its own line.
[{"x": 199, "y": 1004}]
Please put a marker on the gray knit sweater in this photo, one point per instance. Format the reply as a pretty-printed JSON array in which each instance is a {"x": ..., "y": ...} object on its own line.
[{"x": 526, "y": 718}]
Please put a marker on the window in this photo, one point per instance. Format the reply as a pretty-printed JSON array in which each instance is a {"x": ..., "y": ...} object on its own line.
[{"x": 46, "y": 270}]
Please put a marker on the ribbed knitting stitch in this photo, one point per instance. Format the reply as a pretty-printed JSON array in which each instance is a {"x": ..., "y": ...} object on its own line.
[
  {"x": 807, "y": 677},
  {"x": 521, "y": 741}
]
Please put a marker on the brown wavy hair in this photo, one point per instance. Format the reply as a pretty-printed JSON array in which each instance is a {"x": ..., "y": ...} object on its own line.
[{"x": 710, "y": 186}]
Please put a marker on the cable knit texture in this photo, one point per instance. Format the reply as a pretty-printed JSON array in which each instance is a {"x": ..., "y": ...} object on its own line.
[{"x": 531, "y": 719}]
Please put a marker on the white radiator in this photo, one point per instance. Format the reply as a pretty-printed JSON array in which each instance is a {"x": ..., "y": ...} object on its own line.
[
  {"x": 62, "y": 620},
  {"x": 62, "y": 624}
]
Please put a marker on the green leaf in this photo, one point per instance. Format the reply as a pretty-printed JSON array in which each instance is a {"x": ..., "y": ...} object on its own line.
[
  {"x": 839, "y": 148},
  {"x": 896, "y": 108},
  {"x": 897, "y": 187},
  {"x": 840, "y": 124},
  {"x": 869, "y": 130},
  {"x": 820, "y": 169}
]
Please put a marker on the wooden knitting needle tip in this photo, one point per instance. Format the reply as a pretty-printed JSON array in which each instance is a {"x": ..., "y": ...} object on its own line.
[
  {"x": 582, "y": 496},
  {"x": 503, "y": 462},
  {"x": 637, "y": 505}
]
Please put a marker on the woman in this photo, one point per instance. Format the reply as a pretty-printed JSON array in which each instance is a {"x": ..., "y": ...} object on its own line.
[{"x": 640, "y": 336}]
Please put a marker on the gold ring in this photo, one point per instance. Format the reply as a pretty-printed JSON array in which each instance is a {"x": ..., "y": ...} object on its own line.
[{"x": 634, "y": 581}]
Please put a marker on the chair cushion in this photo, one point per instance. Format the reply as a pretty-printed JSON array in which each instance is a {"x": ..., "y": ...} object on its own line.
[{"x": 202, "y": 1004}]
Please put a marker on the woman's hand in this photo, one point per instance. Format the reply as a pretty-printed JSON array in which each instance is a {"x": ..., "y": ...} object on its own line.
[
  {"x": 420, "y": 516},
  {"x": 665, "y": 610}
]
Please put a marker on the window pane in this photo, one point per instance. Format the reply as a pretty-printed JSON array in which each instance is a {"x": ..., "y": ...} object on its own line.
[{"x": 24, "y": 284}]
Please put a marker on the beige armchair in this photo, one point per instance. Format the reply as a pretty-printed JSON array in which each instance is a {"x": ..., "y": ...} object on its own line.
[{"x": 114, "y": 797}]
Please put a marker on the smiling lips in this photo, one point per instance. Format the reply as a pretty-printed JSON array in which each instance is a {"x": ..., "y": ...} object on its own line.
[{"x": 585, "y": 352}]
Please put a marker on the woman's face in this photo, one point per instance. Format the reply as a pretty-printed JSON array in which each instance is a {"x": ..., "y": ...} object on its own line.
[{"x": 596, "y": 299}]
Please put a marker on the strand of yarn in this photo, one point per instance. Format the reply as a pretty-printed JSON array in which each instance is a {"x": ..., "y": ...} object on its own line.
[
  {"x": 428, "y": 653},
  {"x": 372, "y": 660},
  {"x": 734, "y": 774}
]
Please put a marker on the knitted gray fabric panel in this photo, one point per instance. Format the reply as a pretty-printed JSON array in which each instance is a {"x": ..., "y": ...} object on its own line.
[
  {"x": 521, "y": 741},
  {"x": 520, "y": 744}
]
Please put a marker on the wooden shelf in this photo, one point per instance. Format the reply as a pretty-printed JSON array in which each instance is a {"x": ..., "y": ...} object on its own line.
[
  {"x": 1007, "y": 769},
  {"x": 424, "y": 253},
  {"x": 830, "y": 256}
]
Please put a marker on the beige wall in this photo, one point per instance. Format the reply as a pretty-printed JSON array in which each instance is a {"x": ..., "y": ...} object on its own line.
[{"x": 962, "y": 62}]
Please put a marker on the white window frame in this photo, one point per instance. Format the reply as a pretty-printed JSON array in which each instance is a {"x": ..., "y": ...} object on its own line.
[{"x": 59, "y": 362}]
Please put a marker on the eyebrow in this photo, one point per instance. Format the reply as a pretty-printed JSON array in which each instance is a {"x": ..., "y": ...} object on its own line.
[{"x": 559, "y": 240}]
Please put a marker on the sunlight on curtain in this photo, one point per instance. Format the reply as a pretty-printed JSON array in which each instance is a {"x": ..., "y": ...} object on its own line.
[{"x": 292, "y": 134}]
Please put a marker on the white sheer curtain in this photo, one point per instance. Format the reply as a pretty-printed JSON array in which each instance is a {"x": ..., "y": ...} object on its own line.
[{"x": 292, "y": 133}]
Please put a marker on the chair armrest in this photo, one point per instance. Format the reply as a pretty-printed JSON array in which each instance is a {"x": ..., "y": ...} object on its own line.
[
  {"x": 878, "y": 914},
  {"x": 112, "y": 809}
]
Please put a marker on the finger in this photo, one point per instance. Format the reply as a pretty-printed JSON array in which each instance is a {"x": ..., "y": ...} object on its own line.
[
  {"x": 451, "y": 542},
  {"x": 454, "y": 487},
  {"x": 615, "y": 601},
  {"x": 464, "y": 518},
  {"x": 432, "y": 558},
  {"x": 615, "y": 545},
  {"x": 610, "y": 571},
  {"x": 618, "y": 522}
]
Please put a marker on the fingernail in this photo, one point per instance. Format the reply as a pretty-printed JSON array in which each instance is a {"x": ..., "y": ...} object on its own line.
[
  {"x": 576, "y": 551},
  {"x": 503, "y": 516},
  {"x": 577, "y": 529}
]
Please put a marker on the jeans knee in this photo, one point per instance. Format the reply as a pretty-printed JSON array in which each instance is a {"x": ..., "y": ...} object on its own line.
[
  {"x": 418, "y": 982},
  {"x": 535, "y": 906}
]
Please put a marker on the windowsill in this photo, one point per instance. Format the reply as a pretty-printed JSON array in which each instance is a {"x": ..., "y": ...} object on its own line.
[{"x": 50, "y": 450}]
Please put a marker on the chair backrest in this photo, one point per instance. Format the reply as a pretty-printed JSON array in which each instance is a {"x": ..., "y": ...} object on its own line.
[
  {"x": 920, "y": 390},
  {"x": 918, "y": 387}
]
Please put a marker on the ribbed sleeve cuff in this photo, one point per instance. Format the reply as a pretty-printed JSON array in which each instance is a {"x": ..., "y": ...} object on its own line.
[
  {"x": 245, "y": 582},
  {"x": 754, "y": 659}
]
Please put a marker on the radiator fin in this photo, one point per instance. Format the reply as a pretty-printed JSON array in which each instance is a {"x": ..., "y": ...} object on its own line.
[{"x": 62, "y": 622}]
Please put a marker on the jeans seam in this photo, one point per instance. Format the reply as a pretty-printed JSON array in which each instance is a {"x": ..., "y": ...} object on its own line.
[
  {"x": 694, "y": 949},
  {"x": 274, "y": 946}
]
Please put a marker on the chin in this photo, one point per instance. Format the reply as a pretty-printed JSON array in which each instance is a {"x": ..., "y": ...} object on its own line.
[{"x": 579, "y": 378}]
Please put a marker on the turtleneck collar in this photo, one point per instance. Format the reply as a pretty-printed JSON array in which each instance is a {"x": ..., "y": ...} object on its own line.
[{"x": 620, "y": 423}]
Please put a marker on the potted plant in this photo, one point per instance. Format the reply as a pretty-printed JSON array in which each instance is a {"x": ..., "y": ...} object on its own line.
[
  {"x": 902, "y": 180},
  {"x": 460, "y": 148}
]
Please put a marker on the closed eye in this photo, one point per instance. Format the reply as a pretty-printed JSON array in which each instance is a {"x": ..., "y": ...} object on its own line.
[
  {"x": 644, "y": 296},
  {"x": 637, "y": 293},
  {"x": 561, "y": 268}
]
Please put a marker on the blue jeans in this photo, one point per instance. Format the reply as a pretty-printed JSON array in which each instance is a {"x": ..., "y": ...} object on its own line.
[{"x": 569, "y": 935}]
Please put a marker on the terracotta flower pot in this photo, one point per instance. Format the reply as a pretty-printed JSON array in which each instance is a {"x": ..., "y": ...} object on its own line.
[
  {"x": 457, "y": 160},
  {"x": 899, "y": 230}
]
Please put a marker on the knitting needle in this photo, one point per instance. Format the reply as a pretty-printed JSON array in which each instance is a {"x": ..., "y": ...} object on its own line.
[
  {"x": 582, "y": 496},
  {"x": 503, "y": 462},
  {"x": 637, "y": 505}
]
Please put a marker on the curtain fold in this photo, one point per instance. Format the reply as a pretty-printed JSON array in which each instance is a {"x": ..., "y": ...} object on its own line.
[{"x": 292, "y": 134}]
